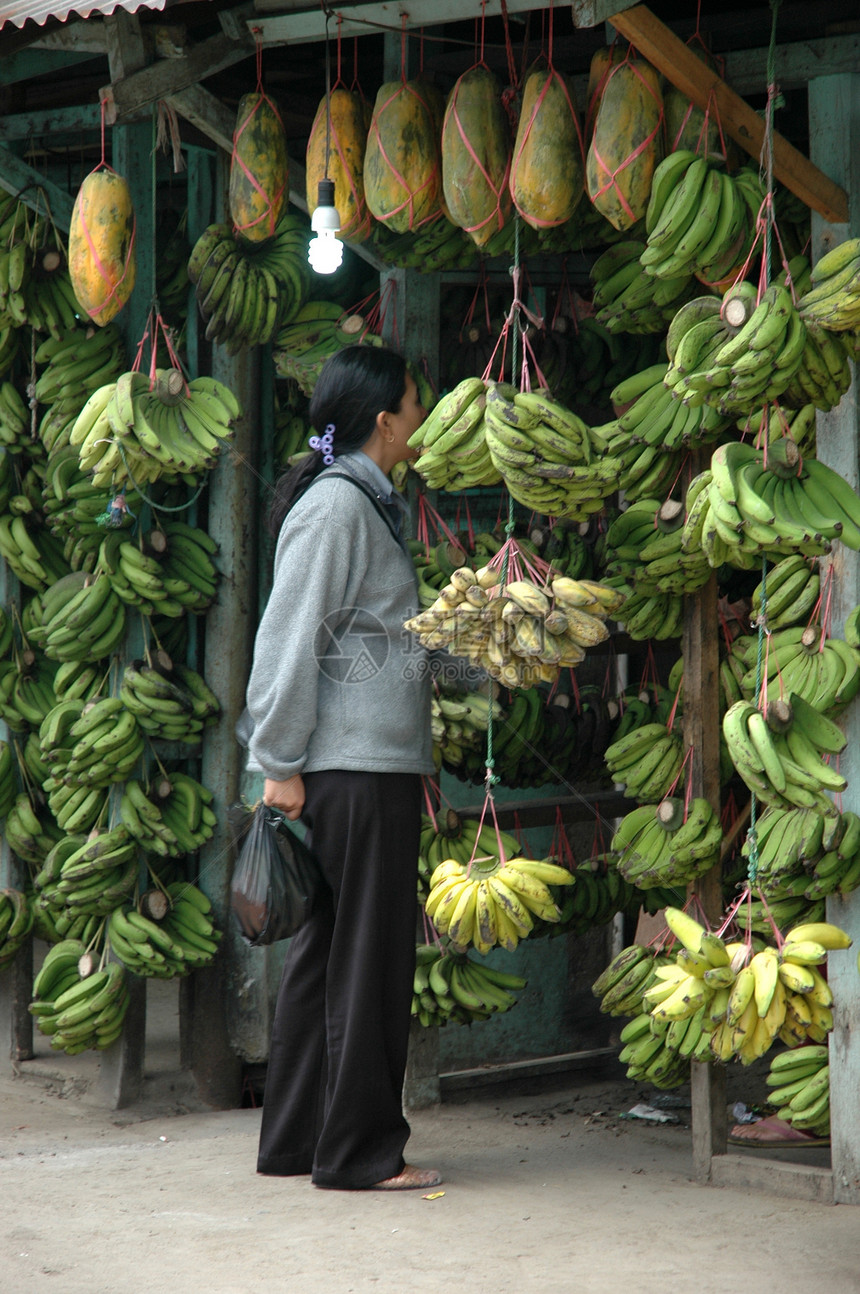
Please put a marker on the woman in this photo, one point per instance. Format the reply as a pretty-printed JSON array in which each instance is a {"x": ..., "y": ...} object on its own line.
[{"x": 339, "y": 698}]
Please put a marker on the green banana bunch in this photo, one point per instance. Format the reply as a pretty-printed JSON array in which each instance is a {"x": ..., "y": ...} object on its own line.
[
  {"x": 668, "y": 846},
  {"x": 771, "y": 501},
  {"x": 833, "y": 301},
  {"x": 30, "y": 833},
  {"x": 620, "y": 986},
  {"x": 544, "y": 454},
  {"x": 822, "y": 671},
  {"x": 16, "y": 922},
  {"x": 173, "y": 818},
  {"x": 788, "y": 594},
  {"x": 91, "y": 873},
  {"x": 626, "y": 297},
  {"x": 448, "y": 985},
  {"x": 81, "y": 360},
  {"x": 437, "y": 246},
  {"x": 799, "y": 1083},
  {"x": 292, "y": 431},
  {"x": 318, "y": 330},
  {"x": 8, "y": 779},
  {"x": 100, "y": 746},
  {"x": 136, "y": 430},
  {"x": 77, "y": 1012},
  {"x": 170, "y": 571},
  {"x": 782, "y": 756},
  {"x": 175, "y": 945},
  {"x": 701, "y": 219},
  {"x": 453, "y": 449},
  {"x": 33, "y": 554},
  {"x": 647, "y": 762},
  {"x": 824, "y": 373},
  {"x": 805, "y": 852},
  {"x": 77, "y": 618},
  {"x": 169, "y": 704},
  {"x": 239, "y": 295},
  {"x": 459, "y": 722},
  {"x": 660, "y": 1052}
]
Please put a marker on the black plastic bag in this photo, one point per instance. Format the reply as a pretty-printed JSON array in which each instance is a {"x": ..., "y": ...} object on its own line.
[{"x": 275, "y": 880}]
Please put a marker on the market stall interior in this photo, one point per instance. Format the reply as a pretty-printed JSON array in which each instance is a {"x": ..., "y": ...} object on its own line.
[{"x": 620, "y": 251}]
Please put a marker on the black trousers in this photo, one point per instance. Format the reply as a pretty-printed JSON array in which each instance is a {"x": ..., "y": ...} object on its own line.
[{"x": 332, "y": 1105}]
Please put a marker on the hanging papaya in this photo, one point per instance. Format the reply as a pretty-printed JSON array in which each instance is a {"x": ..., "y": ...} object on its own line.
[
  {"x": 627, "y": 143},
  {"x": 476, "y": 155},
  {"x": 259, "y": 168},
  {"x": 346, "y": 145},
  {"x": 546, "y": 179},
  {"x": 402, "y": 172},
  {"x": 101, "y": 245},
  {"x": 602, "y": 62},
  {"x": 685, "y": 123}
]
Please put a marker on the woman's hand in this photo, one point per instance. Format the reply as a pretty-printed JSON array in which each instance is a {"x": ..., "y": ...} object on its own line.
[{"x": 288, "y": 796}]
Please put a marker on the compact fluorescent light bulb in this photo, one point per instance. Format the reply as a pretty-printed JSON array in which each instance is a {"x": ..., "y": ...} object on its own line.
[{"x": 325, "y": 252}]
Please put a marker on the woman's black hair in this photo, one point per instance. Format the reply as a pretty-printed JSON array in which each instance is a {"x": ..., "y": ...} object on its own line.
[{"x": 354, "y": 385}]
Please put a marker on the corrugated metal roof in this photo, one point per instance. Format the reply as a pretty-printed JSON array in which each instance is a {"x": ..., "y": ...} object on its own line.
[{"x": 18, "y": 12}]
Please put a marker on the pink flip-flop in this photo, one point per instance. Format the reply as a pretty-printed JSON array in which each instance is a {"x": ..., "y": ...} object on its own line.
[{"x": 771, "y": 1133}]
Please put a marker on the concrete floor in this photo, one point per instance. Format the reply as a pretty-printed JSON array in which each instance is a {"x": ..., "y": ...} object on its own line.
[{"x": 548, "y": 1187}]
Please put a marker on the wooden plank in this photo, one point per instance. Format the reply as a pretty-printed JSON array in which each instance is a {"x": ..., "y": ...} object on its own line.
[
  {"x": 133, "y": 93},
  {"x": 32, "y": 187},
  {"x": 797, "y": 63},
  {"x": 657, "y": 43},
  {"x": 300, "y": 23},
  {"x": 834, "y": 133},
  {"x": 700, "y": 647},
  {"x": 204, "y": 110},
  {"x": 482, "y": 1075},
  {"x": 124, "y": 44},
  {"x": 53, "y": 121},
  {"x": 541, "y": 812},
  {"x": 15, "y": 68}
]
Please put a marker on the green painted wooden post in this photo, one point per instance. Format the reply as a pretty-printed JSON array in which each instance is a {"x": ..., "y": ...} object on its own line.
[
  {"x": 16, "y": 981},
  {"x": 834, "y": 132}
]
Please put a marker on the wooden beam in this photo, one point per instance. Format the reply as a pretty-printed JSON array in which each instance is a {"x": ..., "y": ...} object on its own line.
[
  {"x": 657, "y": 43},
  {"x": 84, "y": 36},
  {"x": 53, "y": 121},
  {"x": 128, "y": 96},
  {"x": 29, "y": 63},
  {"x": 204, "y": 110},
  {"x": 26, "y": 183},
  {"x": 798, "y": 62},
  {"x": 124, "y": 44},
  {"x": 591, "y": 13}
]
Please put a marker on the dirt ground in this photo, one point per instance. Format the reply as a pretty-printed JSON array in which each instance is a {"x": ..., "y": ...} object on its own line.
[{"x": 551, "y": 1187}]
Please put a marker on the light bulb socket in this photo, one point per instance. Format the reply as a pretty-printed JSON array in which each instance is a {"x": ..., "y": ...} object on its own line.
[{"x": 325, "y": 193}]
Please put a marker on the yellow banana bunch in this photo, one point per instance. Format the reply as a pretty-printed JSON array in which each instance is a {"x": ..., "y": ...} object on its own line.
[{"x": 497, "y": 904}]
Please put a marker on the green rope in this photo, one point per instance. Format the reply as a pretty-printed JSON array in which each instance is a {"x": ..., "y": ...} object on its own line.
[
  {"x": 752, "y": 868},
  {"x": 768, "y": 137},
  {"x": 489, "y": 762}
]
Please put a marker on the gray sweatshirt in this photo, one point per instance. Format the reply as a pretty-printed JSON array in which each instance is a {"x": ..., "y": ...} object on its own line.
[{"x": 336, "y": 681}]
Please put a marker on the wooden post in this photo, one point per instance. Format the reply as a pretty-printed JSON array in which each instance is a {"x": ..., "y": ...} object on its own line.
[
  {"x": 120, "y": 1080},
  {"x": 16, "y": 981},
  {"x": 834, "y": 132},
  {"x": 702, "y": 732}
]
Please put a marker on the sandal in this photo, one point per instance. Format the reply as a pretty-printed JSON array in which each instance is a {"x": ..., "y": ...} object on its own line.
[
  {"x": 771, "y": 1133},
  {"x": 410, "y": 1179}
]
